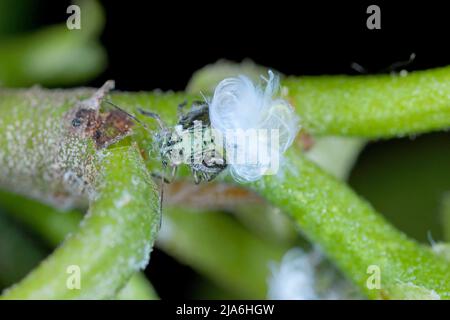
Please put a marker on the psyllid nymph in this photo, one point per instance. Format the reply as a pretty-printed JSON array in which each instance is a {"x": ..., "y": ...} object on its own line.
[
  {"x": 190, "y": 142},
  {"x": 243, "y": 127}
]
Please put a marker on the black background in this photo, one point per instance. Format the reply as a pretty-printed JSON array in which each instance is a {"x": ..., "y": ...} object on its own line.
[
  {"x": 154, "y": 44},
  {"x": 160, "y": 45}
]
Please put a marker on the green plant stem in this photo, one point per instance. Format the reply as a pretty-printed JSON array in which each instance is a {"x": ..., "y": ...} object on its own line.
[
  {"x": 352, "y": 234},
  {"x": 218, "y": 247},
  {"x": 53, "y": 226},
  {"x": 138, "y": 288},
  {"x": 370, "y": 106},
  {"x": 124, "y": 214},
  {"x": 18, "y": 252},
  {"x": 336, "y": 155},
  {"x": 50, "y": 224},
  {"x": 55, "y": 55},
  {"x": 445, "y": 215},
  {"x": 346, "y": 227},
  {"x": 244, "y": 271},
  {"x": 378, "y": 106}
]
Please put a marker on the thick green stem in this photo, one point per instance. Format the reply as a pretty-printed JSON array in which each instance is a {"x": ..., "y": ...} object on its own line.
[
  {"x": 18, "y": 252},
  {"x": 50, "y": 224},
  {"x": 113, "y": 242},
  {"x": 355, "y": 236},
  {"x": 53, "y": 226},
  {"x": 61, "y": 165},
  {"x": 138, "y": 288},
  {"x": 336, "y": 155},
  {"x": 373, "y": 106},
  {"x": 218, "y": 247},
  {"x": 445, "y": 215},
  {"x": 180, "y": 238}
]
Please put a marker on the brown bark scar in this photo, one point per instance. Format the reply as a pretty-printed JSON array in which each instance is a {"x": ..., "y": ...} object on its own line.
[
  {"x": 105, "y": 128},
  {"x": 208, "y": 196}
]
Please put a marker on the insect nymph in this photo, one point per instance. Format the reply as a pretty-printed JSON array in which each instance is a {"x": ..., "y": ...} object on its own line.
[{"x": 191, "y": 142}]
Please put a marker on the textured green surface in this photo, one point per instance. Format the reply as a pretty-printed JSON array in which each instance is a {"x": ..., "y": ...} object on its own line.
[
  {"x": 373, "y": 106},
  {"x": 377, "y": 106},
  {"x": 125, "y": 214},
  {"x": 405, "y": 180},
  {"x": 53, "y": 226},
  {"x": 445, "y": 211},
  {"x": 18, "y": 252},
  {"x": 349, "y": 230},
  {"x": 215, "y": 245},
  {"x": 333, "y": 216}
]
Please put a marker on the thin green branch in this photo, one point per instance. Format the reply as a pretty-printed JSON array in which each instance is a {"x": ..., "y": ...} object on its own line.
[
  {"x": 336, "y": 155},
  {"x": 50, "y": 224},
  {"x": 346, "y": 227},
  {"x": 113, "y": 242},
  {"x": 375, "y": 106},
  {"x": 353, "y": 234},
  {"x": 18, "y": 252},
  {"x": 53, "y": 226},
  {"x": 218, "y": 247},
  {"x": 180, "y": 238},
  {"x": 138, "y": 288},
  {"x": 370, "y": 106},
  {"x": 55, "y": 55},
  {"x": 445, "y": 215}
]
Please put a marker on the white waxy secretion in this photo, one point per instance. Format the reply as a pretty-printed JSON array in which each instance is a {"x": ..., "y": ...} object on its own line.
[{"x": 257, "y": 126}]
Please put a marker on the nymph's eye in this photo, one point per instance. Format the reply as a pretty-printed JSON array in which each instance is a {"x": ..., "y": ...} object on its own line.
[
  {"x": 76, "y": 122},
  {"x": 98, "y": 134}
]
